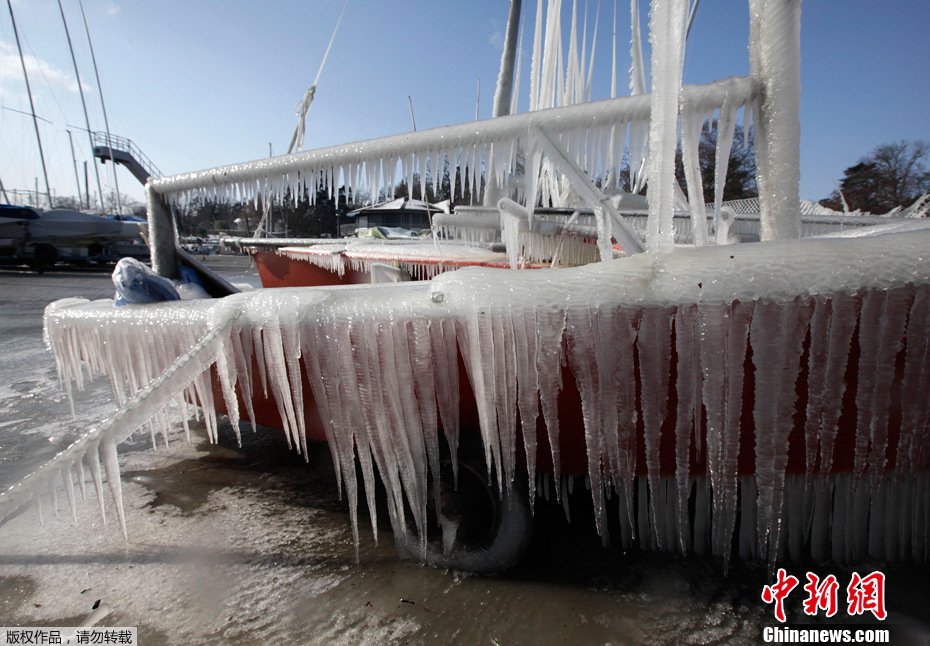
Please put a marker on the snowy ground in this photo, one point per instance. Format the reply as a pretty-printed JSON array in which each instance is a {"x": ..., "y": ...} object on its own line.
[{"x": 253, "y": 545}]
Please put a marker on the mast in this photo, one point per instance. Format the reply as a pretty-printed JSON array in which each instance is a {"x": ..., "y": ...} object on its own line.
[
  {"x": 304, "y": 106},
  {"x": 103, "y": 105},
  {"x": 302, "y": 109},
  {"x": 504, "y": 88},
  {"x": 32, "y": 107},
  {"x": 77, "y": 179},
  {"x": 77, "y": 74}
]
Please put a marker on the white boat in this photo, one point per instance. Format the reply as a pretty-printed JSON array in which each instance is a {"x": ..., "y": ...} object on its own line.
[
  {"x": 13, "y": 223},
  {"x": 43, "y": 237},
  {"x": 66, "y": 227}
]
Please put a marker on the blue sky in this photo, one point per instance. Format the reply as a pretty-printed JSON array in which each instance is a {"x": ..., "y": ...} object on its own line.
[{"x": 198, "y": 83}]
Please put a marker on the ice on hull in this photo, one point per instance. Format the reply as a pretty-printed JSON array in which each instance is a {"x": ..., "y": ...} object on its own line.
[{"x": 699, "y": 378}]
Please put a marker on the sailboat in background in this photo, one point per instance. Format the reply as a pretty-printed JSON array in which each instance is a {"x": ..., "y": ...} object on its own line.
[{"x": 42, "y": 237}]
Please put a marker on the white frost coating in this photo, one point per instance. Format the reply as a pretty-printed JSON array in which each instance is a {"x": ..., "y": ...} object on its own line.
[
  {"x": 667, "y": 38},
  {"x": 774, "y": 61}
]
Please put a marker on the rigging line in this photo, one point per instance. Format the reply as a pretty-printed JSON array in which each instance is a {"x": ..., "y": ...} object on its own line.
[
  {"x": 330, "y": 45},
  {"x": 77, "y": 74},
  {"x": 41, "y": 69},
  {"x": 35, "y": 121},
  {"x": 3, "y": 107},
  {"x": 106, "y": 122}
]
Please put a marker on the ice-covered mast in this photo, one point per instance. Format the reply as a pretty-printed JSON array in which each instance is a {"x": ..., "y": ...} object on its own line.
[
  {"x": 303, "y": 109},
  {"x": 504, "y": 91},
  {"x": 503, "y": 94}
]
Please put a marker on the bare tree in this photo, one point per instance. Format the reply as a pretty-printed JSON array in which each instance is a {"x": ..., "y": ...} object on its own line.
[{"x": 891, "y": 175}]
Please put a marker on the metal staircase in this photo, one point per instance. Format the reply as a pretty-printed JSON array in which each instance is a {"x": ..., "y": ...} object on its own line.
[{"x": 121, "y": 150}]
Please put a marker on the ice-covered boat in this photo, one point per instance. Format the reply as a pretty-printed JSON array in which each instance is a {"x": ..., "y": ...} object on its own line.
[
  {"x": 471, "y": 237},
  {"x": 761, "y": 399},
  {"x": 474, "y": 237}
]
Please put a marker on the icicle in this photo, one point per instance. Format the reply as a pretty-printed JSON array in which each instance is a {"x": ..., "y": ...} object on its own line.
[
  {"x": 688, "y": 416},
  {"x": 724, "y": 329},
  {"x": 111, "y": 465},
  {"x": 690, "y": 143},
  {"x": 726, "y": 126},
  {"x": 915, "y": 381},
  {"x": 98, "y": 480},
  {"x": 535, "y": 62},
  {"x": 654, "y": 352},
  {"x": 66, "y": 476},
  {"x": 777, "y": 337}
]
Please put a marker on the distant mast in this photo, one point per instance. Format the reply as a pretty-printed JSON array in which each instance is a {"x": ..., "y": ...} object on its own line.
[
  {"x": 77, "y": 74},
  {"x": 32, "y": 107},
  {"x": 103, "y": 105},
  {"x": 77, "y": 179}
]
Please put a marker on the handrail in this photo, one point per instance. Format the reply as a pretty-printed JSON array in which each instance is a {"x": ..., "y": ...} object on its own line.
[{"x": 115, "y": 142}]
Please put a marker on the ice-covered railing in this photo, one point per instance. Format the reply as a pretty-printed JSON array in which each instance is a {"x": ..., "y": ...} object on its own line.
[
  {"x": 589, "y": 132},
  {"x": 566, "y": 149},
  {"x": 713, "y": 385},
  {"x": 581, "y": 142}
]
